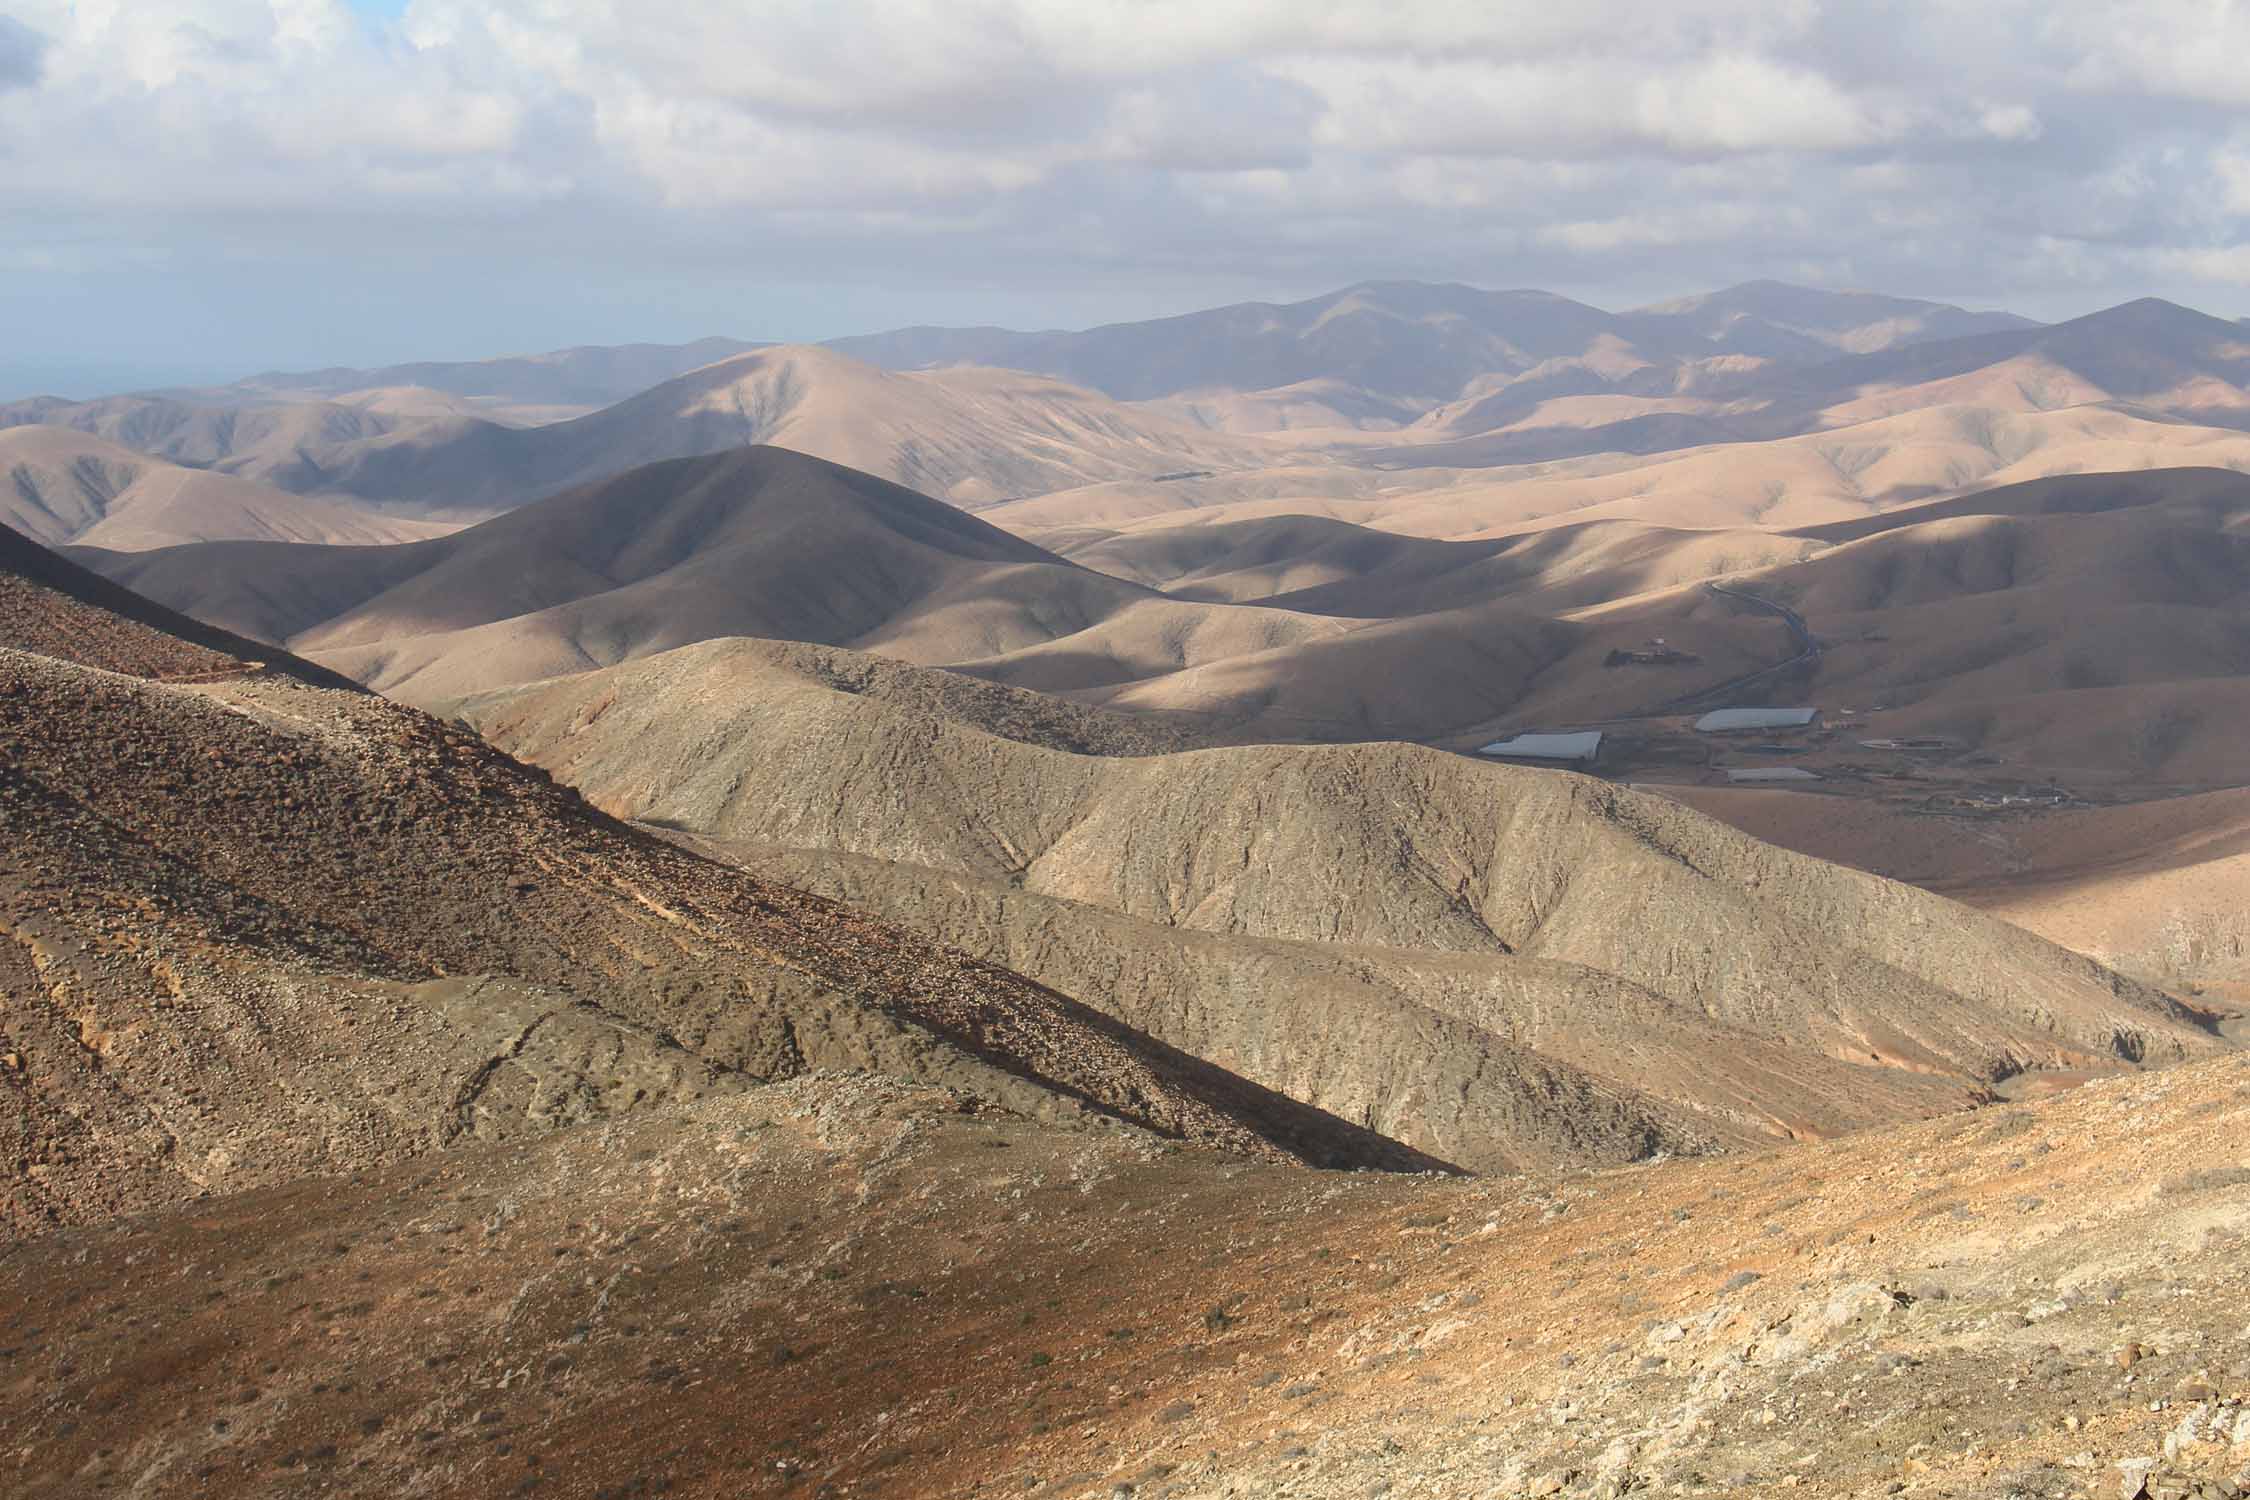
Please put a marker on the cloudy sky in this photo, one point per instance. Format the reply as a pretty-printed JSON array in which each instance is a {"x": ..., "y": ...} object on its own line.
[{"x": 200, "y": 188}]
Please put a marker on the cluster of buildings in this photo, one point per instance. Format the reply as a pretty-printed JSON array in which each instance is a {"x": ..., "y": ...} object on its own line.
[{"x": 1582, "y": 749}]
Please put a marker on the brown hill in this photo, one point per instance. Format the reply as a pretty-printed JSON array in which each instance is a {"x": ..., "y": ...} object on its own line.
[
  {"x": 55, "y": 608},
  {"x": 1972, "y": 618},
  {"x": 255, "y": 928},
  {"x": 1327, "y": 566},
  {"x": 60, "y": 485},
  {"x": 1472, "y": 896},
  {"x": 1986, "y": 616}
]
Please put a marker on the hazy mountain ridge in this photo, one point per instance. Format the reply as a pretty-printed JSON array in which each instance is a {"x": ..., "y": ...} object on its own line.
[{"x": 1416, "y": 339}]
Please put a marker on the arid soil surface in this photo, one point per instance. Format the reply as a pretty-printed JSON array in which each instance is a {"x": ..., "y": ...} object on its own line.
[{"x": 849, "y": 1286}]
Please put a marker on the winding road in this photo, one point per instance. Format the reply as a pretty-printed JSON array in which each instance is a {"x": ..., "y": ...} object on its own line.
[{"x": 1808, "y": 654}]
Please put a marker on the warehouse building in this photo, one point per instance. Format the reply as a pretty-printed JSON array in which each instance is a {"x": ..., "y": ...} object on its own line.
[
  {"x": 1579, "y": 749},
  {"x": 1769, "y": 775},
  {"x": 1735, "y": 720}
]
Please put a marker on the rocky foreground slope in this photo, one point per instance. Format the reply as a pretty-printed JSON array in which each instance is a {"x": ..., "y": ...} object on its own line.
[{"x": 853, "y": 1287}]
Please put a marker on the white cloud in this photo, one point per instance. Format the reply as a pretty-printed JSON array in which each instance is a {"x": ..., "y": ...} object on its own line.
[{"x": 1602, "y": 142}]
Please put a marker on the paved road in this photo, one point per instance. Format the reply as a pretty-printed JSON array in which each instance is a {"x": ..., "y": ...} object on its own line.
[{"x": 1808, "y": 653}]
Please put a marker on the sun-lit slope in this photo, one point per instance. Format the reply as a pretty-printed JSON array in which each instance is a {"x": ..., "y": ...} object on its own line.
[
  {"x": 1481, "y": 1058},
  {"x": 1335, "y": 490},
  {"x": 1251, "y": 672},
  {"x": 912, "y": 770},
  {"x": 2150, "y": 352},
  {"x": 1451, "y": 675},
  {"x": 408, "y": 402},
  {"x": 972, "y": 436},
  {"x": 252, "y": 441},
  {"x": 1308, "y": 409},
  {"x": 251, "y": 928},
  {"x": 1816, "y": 479},
  {"x": 1328, "y": 566},
  {"x": 1386, "y": 846},
  {"x": 60, "y": 485},
  {"x": 1849, "y": 473},
  {"x": 1248, "y": 560}
]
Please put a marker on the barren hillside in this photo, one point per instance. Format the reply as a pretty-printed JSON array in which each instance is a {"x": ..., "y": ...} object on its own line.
[
  {"x": 1406, "y": 880},
  {"x": 257, "y": 928}
]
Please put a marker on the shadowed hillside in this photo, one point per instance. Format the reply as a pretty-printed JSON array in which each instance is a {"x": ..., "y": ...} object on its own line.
[{"x": 760, "y": 542}]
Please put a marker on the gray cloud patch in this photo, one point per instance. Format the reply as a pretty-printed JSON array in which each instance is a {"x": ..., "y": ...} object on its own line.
[{"x": 22, "y": 54}]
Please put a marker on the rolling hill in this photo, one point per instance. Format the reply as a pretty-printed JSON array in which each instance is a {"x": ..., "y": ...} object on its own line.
[
  {"x": 1222, "y": 899},
  {"x": 2148, "y": 356},
  {"x": 1977, "y": 617}
]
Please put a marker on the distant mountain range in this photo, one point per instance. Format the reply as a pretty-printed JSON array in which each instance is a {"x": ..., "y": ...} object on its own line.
[
  {"x": 1406, "y": 338},
  {"x": 1412, "y": 338},
  {"x": 1394, "y": 391}
]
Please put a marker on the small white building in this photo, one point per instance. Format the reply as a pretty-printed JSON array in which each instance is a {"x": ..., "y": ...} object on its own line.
[
  {"x": 1733, "y": 720},
  {"x": 1579, "y": 749},
  {"x": 1769, "y": 775}
]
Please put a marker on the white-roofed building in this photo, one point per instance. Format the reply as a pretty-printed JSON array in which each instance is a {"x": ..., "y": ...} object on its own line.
[
  {"x": 1769, "y": 775},
  {"x": 1579, "y": 749},
  {"x": 1732, "y": 720}
]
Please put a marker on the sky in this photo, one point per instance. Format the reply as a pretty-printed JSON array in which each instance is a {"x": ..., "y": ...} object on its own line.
[{"x": 199, "y": 189}]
